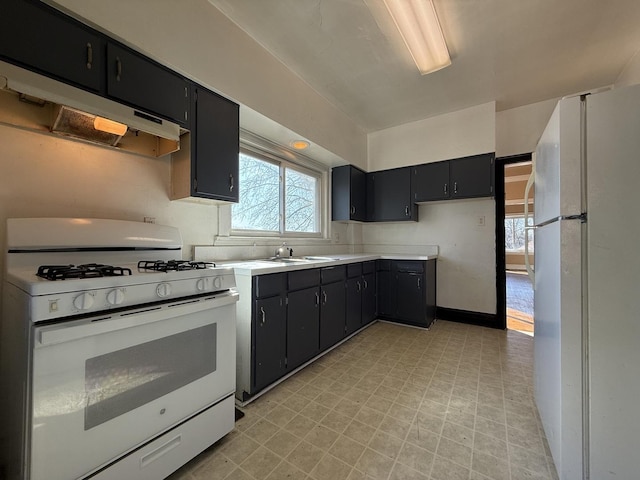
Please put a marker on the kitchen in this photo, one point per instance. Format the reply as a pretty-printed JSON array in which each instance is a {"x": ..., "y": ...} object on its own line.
[{"x": 51, "y": 177}]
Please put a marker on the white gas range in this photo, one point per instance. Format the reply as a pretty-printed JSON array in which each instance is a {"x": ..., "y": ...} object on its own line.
[{"x": 119, "y": 360}]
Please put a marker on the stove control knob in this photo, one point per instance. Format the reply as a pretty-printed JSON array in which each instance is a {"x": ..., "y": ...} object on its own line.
[
  {"x": 217, "y": 283},
  {"x": 202, "y": 284},
  {"x": 84, "y": 301},
  {"x": 163, "y": 290},
  {"x": 115, "y": 296}
]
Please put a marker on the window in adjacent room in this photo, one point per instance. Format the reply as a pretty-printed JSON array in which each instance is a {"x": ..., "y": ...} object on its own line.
[
  {"x": 514, "y": 234},
  {"x": 277, "y": 198}
]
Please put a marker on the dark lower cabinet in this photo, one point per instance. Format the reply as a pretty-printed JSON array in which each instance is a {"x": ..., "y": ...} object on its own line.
[
  {"x": 368, "y": 297},
  {"x": 406, "y": 291},
  {"x": 332, "y": 314},
  {"x": 303, "y": 326},
  {"x": 270, "y": 330},
  {"x": 354, "y": 305}
]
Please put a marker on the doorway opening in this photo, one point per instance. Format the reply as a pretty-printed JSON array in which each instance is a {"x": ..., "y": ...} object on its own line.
[{"x": 514, "y": 288}]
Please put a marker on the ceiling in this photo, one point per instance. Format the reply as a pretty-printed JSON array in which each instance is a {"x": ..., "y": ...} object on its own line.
[{"x": 515, "y": 52}]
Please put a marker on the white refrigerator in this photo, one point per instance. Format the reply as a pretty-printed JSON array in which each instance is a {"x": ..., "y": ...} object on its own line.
[{"x": 587, "y": 285}]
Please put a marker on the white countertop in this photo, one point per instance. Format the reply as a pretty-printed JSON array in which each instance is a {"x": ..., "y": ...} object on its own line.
[{"x": 261, "y": 267}]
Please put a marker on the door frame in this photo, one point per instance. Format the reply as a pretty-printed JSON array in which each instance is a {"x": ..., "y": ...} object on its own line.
[{"x": 501, "y": 265}]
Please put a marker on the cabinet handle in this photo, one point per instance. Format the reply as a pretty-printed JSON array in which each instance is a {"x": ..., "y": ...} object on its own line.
[
  {"x": 264, "y": 316},
  {"x": 317, "y": 299},
  {"x": 231, "y": 182},
  {"x": 353, "y": 210},
  {"x": 118, "y": 69},
  {"x": 89, "y": 56},
  {"x": 446, "y": 189},
  {"x": 406, "y": 210},
  {"x": 366, "y": 285},
  {"x": 455, "y": 188},
  {"x": 419, "y": 282},
  {"x": 324, "y": 297},
  {"x": 359, "y": 285}
]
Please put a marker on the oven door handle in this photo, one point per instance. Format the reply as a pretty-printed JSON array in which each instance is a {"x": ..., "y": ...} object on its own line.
[{"x": 107, "y": 323}]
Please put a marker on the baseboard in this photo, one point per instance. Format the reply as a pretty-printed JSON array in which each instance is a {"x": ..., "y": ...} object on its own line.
[{"x": 465, "y": 316}]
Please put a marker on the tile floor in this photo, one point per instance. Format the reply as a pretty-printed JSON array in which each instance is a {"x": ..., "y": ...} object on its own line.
[{"x": 454, "y": 402}]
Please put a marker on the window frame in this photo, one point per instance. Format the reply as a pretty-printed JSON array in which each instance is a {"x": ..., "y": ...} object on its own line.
[
  {"x": 301, "y": 166},
  {"x": 530, "y": 221}
]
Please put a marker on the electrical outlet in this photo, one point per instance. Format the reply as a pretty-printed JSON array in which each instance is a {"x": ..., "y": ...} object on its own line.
[
  {"x": 149, "y": 219},
  {"x": 336, "y": 237},
  {"x": 481, "y": 222}
]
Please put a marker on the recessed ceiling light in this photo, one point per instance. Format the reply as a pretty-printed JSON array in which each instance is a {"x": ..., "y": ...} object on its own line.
[{"x": 299, "y": 144}]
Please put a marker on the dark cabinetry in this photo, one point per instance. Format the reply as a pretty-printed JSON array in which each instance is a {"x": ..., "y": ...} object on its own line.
[
  {"x": 269, "y": 329},
  {"x": 389, "y": 196},
  {"x": 406, "y": 291},
  {"x": 466, "y": 177},
  {"x": 214, "y": 156},
  {"x": 140, "y": 82},
  {"x": 361, "y": 296},
  {"x": 39, "y": 38},
  {"x": 332, "y": 306},
  {"x": 348, "y": 194}
]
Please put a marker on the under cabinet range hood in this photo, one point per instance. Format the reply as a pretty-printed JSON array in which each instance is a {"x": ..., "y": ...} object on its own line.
[{"x": 32, "y": 101}]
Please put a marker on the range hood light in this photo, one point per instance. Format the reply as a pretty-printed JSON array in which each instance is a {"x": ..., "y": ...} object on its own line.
[{"x": 109, "y": 126}]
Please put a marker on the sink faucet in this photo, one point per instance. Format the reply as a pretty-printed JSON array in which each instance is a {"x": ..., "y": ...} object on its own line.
[{"x": 283, "y": 250}]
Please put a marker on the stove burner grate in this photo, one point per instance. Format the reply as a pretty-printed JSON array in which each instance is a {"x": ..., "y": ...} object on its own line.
[
  {"x": 173, "y": 265},
  {"x": 88, "y": 270}
]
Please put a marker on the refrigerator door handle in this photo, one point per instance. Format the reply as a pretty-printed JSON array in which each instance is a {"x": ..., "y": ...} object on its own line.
[{"x": 530, "y": 182}]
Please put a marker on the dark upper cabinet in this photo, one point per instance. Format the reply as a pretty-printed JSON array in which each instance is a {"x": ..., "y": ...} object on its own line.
[
  {"x": 389, "y": 196},
  {"x": 138, "y": 81},
  {"x": 215, "y": 147},
  {"x": 472, "y": 176},
  {"x": 269, "y": 350},
  {"x": 430, "y": 182},
  {"x": 348, "y": 194},
  {"x": 466, "y": 177},
  {"x": 37, "y": 37}
]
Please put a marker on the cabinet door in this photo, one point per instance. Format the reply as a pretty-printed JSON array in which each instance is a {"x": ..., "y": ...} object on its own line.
[
  {"x": 354, "y": 304},
  {"x": 332, "y": 314},
  {"x": 348, "y": 194},
  {"x": 215, "y": 159},
  {"x": 269, "y": 325},
  {"x": 386, "y": 296},
  {"x": 140, "y": 82},
  {"x": 368, "y": 298},
  {"x": 430, "y": 182},
  {"x": 303, "y": 326},
  {"x": 410, "y": 297},
  {"x": 392, "y": 199},
  {"x": 38, "y": 37},
  {"x": 472, "y": 176}
]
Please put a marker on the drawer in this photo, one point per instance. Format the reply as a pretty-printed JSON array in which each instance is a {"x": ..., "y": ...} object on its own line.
[
  {"x": 269, "y": 285},
  {"x": 416, "y": 266},
  {"x": 383, "y": 265},
  {"x": 303, "y": 279},
  {"x": 354, "y": 270},
  {"x": 333, "y": 274},
  {"x": 368, "y": 267}
]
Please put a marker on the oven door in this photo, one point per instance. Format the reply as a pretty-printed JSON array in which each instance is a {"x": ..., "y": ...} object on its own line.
[{"x": 102, "y": 386}]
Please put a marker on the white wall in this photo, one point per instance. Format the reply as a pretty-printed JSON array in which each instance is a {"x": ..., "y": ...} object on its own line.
[
  {"x": 458, "y": 134},
  {"x": 466, "y": 264},
  {"x": 519, "y": 129},
  {"x": 194, "y": 38},
  {"x": 630, "y": 75}
]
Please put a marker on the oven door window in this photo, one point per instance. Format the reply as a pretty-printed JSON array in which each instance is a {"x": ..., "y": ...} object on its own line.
[{"x": 121, "y": 381}]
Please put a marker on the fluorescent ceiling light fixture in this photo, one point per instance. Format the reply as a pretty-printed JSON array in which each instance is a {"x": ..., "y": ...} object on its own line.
[{"x": 421, "y": 32}]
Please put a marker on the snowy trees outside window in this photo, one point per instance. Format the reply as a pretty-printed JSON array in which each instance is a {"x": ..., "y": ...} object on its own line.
[{"x": 276, "y": 198}]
